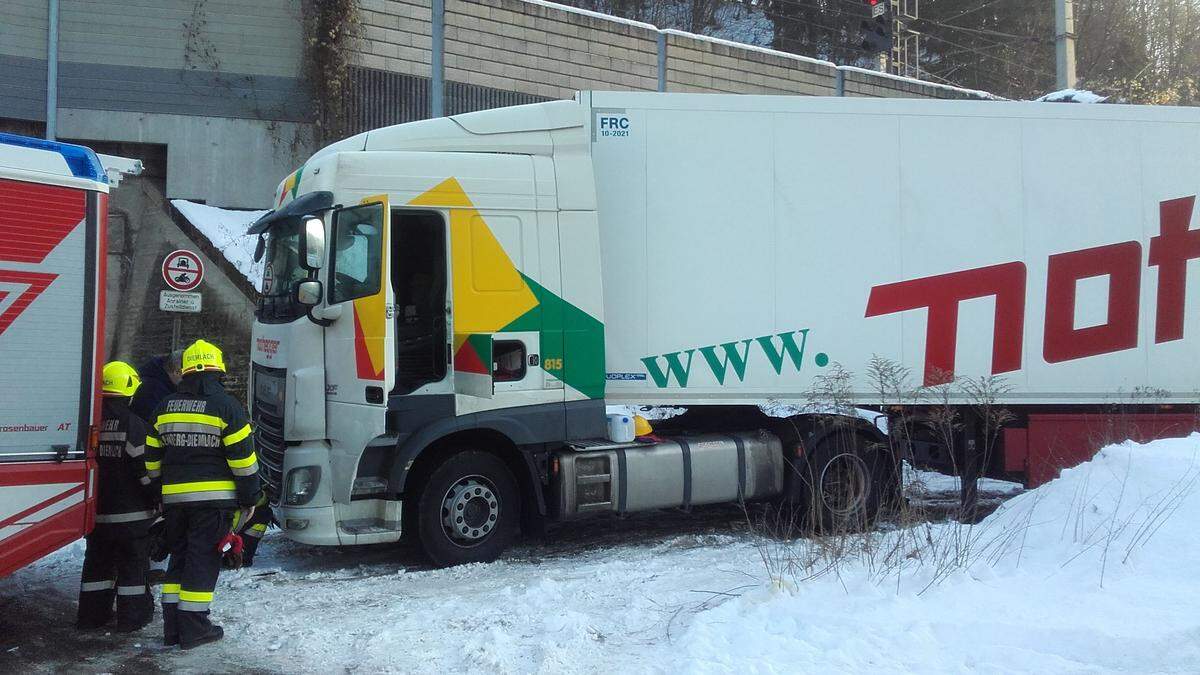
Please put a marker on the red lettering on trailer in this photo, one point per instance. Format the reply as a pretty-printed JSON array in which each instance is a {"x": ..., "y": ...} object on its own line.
[
  {"x": 941, "y": 295},
  {"x": 1170, "y": 251},
  {"x": 1122, "y": 264}
]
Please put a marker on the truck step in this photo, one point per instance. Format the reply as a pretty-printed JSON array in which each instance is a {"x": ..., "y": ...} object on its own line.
[
  {"x": 597, "y": 444},
  {"x": 368, "y": 526}
]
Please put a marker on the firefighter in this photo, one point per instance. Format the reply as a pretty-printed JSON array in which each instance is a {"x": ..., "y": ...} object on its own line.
[
  {"x": 117, "y": 557},
  {"x": 202, "y": 447},
  {"x": 160, "y": 378}
]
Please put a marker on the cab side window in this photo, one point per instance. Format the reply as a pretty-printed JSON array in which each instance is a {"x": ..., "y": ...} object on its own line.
[{"x": 357, "y": 254}]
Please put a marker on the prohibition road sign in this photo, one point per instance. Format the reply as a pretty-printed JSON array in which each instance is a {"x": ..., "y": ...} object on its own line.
[{"x": 182, "y": 270}]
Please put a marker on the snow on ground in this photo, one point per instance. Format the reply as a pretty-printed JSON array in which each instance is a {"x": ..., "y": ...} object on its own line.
[
  {"x": 1095, "y": 572},
  {"x": 920, "y": 483},
  {"x": 226, "y": 229}
]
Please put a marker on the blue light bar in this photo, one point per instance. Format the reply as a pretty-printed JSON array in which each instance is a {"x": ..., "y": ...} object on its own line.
[{"x": 82, "y": 161}]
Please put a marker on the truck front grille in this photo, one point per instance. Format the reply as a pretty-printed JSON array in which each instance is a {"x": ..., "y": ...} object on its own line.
[{"x": 268, "y": 428}]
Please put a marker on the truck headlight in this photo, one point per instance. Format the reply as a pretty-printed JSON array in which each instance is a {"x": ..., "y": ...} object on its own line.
[{"x": 302, "y": 485}]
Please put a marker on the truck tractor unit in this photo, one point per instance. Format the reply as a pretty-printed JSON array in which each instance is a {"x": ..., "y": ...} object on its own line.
[{"x": 449, "y": 307}]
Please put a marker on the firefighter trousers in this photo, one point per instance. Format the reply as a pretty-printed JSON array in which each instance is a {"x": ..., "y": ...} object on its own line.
[
  {"x": 115, "y": 566},
  {"x": 192, "y": 536}
]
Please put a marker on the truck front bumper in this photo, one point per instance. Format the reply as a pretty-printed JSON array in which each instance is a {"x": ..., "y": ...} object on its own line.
[
  {"x": 368, "y": 521},
  {"x": 321, "y": 521}
]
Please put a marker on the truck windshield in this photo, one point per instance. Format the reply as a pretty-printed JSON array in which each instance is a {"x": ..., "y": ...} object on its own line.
[{"x": 281, "y": 272}]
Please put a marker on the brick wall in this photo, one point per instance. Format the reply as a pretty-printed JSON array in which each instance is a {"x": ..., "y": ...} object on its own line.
[
  {"x": 540, "y": 49},
  {"x": 546, "y": 51},
  {"x": 878, "y": 85},
  {"x": 394, "y": 36},
  {"x": 698, "y": 64}
]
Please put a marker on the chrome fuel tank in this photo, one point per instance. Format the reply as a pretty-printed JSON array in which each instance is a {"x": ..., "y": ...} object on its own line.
[{"x": 677, "y": 472}]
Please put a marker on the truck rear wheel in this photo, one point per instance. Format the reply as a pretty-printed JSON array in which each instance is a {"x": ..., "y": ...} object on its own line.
[
  {"x": 468, "y": 510},
  {"x": 842, "y": 485}
]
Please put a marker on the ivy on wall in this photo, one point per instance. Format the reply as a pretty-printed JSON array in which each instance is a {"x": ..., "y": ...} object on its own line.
[{"x": 330, "y": 27}]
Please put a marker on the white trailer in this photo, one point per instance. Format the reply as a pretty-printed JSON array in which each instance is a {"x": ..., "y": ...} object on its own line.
[{"x": 494, "y": 279}]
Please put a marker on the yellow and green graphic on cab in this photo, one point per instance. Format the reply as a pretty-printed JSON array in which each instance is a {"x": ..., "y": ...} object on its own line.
[{"x": 572, "y": 341}]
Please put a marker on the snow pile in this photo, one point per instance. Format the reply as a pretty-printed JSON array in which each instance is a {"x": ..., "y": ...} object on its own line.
[
  {"x": 1097, "y": 571},
  {"x": 226, "y": 230},
  {"x": 1073, "y": 96}
]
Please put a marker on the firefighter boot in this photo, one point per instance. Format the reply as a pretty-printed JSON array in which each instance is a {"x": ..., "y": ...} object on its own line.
[
  {"x": 195, "y": 629},
  {"x": 95, "y": 609},
  {"x": 134, "y": 612},
  {"x": 170, "y": 612}
]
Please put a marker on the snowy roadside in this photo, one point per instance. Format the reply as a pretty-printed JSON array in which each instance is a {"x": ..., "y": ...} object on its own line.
[{"x": 1095, "y": 572}]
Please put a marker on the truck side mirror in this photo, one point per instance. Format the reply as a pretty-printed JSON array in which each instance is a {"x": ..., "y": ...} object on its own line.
[
  {"x": 314, "y": 243},
  {"x": 308, "y": 293}
]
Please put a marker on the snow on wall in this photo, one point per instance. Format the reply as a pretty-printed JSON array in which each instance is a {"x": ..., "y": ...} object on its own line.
[
  {"x": 1072, "y": 96},
  {"x": 225, "y": 229}
]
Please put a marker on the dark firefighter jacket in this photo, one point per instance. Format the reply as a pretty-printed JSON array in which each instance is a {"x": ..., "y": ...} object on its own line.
[
  {"x": 202, "y": 446},
  {"x": 126, "y": 492},
  {"x": 156, "y": 385}
]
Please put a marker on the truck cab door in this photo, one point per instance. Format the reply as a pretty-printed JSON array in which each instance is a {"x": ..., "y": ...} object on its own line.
[{"x": 358, "y": 344}]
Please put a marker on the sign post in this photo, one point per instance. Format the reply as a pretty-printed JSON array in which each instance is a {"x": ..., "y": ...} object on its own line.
[{"x": 183, "y": 271}]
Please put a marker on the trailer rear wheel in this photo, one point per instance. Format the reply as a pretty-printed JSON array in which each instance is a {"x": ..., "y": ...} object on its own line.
[{"x": 468, "y": 510}]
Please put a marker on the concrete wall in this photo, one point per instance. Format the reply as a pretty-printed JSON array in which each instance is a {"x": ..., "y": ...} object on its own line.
[
  {"x": 227, "y": 162},
  {"x": 232, "y": 36},
  {"x": 141, "y": 235},
  {"x": 23, "y": 59},
  {"x": 216, "y": 81}
]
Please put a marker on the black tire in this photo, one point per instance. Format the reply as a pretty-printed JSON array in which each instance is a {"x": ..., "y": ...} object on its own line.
[
  {"x": 841, "y": 485},
  {"x": 469, "y": 509}
]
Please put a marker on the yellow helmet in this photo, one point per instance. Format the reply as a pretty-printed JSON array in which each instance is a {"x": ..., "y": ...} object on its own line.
[
  {"x": 120, "y": 379},
  {"x": 641, "y": 427},
  {"x": 202, "y": 356}
]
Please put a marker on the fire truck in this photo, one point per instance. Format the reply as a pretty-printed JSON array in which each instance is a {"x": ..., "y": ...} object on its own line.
[{"x": 53, "y": 206}]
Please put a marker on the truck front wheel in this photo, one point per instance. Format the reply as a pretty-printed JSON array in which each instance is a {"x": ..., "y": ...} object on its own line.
[{"x": 468, "y": 510}]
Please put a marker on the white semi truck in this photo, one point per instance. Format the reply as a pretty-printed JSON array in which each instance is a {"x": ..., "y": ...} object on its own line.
[{"x": 449, "y": 305}]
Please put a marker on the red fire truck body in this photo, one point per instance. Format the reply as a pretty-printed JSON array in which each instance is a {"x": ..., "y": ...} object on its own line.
[{"x": 53, "y": 205}]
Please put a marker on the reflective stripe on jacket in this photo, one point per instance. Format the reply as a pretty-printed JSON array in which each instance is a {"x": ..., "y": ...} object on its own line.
[{"x": 202, "y": 447}]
